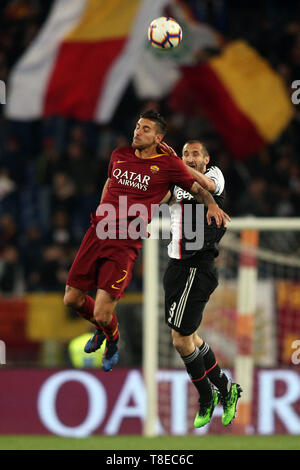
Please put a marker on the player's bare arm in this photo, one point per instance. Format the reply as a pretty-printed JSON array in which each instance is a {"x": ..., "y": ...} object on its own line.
[
  {"x": 104, "y": 189},
  {"x": 204, "y": 197},
  {"x": 204, "y": 181}
]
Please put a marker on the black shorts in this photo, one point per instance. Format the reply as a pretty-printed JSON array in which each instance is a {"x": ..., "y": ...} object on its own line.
[{"x": 187, "y": 290}]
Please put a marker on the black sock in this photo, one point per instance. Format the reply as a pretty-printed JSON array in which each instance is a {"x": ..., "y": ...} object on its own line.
[
  {"x": 213, "y": 371},
  {"x": 196, "y": 369}
]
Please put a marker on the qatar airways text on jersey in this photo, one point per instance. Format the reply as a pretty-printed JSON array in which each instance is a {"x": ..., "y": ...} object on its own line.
[{"x": 132, "y": 179}]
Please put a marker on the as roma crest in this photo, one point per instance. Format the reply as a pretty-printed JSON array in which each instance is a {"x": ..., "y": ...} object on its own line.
[{"x": 154, "y": 169}]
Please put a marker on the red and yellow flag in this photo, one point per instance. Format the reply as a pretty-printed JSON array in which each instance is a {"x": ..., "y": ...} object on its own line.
[
  {"x": 82, "y": 60},
  {"x": 243, "y": 97},
  {"x": 86, "y": 56}
]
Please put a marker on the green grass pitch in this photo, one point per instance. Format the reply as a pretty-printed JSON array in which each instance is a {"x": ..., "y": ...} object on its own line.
[{"x": 211, "y": 442}]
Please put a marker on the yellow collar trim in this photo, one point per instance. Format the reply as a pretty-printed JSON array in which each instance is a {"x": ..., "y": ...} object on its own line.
[{"x": 155, "y": 156}]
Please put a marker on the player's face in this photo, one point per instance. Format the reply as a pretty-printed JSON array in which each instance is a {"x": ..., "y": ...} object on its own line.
[
  {"x": 193, "y": 156},
  {"x": 145, "y": 134}
]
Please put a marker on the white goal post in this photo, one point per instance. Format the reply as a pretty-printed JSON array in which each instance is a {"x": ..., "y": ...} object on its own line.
[{"x": 248, "y": 228}]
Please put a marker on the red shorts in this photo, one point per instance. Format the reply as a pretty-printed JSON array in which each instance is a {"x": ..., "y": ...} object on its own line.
[{"x": 103, "y": 264}]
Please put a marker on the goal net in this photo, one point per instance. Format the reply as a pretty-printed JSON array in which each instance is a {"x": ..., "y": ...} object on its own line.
[{"x": 252, "y": 320}]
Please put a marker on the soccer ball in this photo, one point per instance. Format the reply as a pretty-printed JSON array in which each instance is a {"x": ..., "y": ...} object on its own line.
[{"x": 164, "y": 33}]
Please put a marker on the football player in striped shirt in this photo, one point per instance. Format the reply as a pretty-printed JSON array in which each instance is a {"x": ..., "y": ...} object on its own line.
[{"x": 189, "y": 280}]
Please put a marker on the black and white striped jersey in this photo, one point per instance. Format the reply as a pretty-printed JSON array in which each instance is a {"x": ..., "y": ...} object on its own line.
[{"x": 182, "y": 217}]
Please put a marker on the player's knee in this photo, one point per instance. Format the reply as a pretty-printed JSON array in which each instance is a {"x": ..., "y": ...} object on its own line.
[
  {"x": 103, "y": 315},
  {"x": 197, "y": 340},
  {"x": 181, "y": 343},
  {"x": 73, "y": 299},
  {"x": 71, "y": 302},
  {"x": 178, "y": 342}
]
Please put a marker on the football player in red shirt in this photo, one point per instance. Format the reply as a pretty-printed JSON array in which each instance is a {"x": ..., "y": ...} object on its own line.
[{"x": 141, "y": 174}]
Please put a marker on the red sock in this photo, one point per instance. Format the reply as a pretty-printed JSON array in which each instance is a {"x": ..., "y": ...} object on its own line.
[
  {"x": 111, "y": 330},
  {"x": 87, "y": 310}
]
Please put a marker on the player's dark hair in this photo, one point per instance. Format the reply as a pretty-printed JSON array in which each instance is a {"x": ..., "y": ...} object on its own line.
[
  {"x": 153, "y": 115},
  {"x": 205, "y": 151}
]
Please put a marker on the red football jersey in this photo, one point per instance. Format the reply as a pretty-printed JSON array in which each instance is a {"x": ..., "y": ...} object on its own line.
[{"x": 143, "y": 181}]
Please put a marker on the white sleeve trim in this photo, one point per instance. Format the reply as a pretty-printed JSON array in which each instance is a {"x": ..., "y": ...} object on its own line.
[{"x": 216, "y": 175}]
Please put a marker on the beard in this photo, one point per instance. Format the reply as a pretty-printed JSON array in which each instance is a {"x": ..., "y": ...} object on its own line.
[{"x": 199, "y": 167}]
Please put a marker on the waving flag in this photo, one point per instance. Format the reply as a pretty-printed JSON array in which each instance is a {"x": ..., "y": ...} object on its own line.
[
  {"x": 242, "y": 96},
  {"x": 244, "y": 99},
  {"x": 88, "y": 50},
  {"x": 82, "y": 59}
]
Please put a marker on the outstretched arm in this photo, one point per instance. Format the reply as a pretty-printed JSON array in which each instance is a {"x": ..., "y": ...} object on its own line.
[
  {"x": 203, "y": 196},
  {"x": 203, "y": 180}
]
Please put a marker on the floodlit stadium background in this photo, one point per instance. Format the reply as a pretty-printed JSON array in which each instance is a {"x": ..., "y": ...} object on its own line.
[{"x": 53, "y": 164}]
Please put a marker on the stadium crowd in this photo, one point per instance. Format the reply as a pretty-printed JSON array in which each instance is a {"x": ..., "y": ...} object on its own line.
[{"x": 52, "y": 171}]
